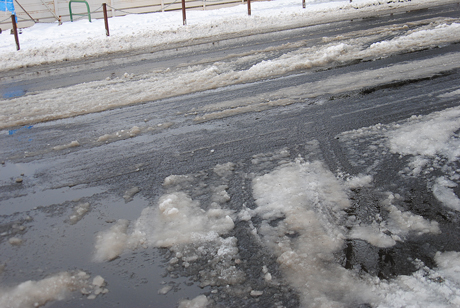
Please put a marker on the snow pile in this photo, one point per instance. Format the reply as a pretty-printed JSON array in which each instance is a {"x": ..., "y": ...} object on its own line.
[
  {"x": 54, "y": 288},
  {"x": 449, "y": 264},
  {"x": 106, "y": 94},
  {"x": 307, "y": 203},
  {"x": 192, "y": 229},
  {"x": 302, "y": 203},
  {"x": 179, "y": 220},
  {"x": 111, "y": 243},
  {"x": 428, "y": 136},
  {"x": 360, "y": 180}
]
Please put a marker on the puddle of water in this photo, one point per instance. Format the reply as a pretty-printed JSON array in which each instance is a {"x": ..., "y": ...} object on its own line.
[
  {"x": 46, "y": 198},
  {"x": 8, "y": 172},
  {"x": 51, "y": 245}
]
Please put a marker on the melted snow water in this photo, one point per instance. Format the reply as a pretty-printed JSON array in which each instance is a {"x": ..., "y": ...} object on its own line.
[{"x": 279, "y": 229}]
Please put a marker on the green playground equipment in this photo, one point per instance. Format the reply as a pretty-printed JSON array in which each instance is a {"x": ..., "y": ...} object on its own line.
[{"x": 87, "y": 8}]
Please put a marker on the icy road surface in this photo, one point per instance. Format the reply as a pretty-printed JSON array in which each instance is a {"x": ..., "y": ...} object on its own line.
[{"x": 313, "y": 167}]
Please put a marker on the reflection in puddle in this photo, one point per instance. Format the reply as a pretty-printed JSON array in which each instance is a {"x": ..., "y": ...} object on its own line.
[{"x": 12, "y": 93}]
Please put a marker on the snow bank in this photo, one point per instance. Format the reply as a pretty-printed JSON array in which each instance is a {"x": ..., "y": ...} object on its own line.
[
  {"x": 106, "y": 94},
  {"x": 44, "y": 43}
]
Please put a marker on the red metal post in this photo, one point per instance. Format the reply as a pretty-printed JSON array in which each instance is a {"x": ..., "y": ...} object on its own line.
[
  {"x": 106, "y": 20},
  {"x": 303, "y": 4},
  {"x": 184, "y": 18},
  {"x": 249, "y": 7},
  {"x": 15, "y": 30}
]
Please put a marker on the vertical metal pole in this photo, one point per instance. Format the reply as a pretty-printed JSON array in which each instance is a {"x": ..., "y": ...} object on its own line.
[
  {"x": 15, "y": 30},
  {"x": 249, "y": 7},
  {"x": 106, "y": 20},
  {"x": 184, "y": 18},
  {"x": 303, "y": 4}
]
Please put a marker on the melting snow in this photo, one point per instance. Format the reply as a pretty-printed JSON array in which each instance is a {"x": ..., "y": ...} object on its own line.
[{"x": 32, "y": 294}]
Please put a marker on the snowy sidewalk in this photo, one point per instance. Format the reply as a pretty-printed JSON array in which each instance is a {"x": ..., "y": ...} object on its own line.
[{"x": 47, "y": 43}]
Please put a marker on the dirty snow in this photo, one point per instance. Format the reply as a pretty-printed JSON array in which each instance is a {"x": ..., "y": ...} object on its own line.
[
  {"x": 44, "y": 43},
  {"x": 31, "y": 294},
  {"x": 191, "y": 229},
  {"x": 131, "y": 89},
  {"x": 111, "y": 243},
  {"x": 301, "y": 203},
  {"x": 78, "y": 212}
]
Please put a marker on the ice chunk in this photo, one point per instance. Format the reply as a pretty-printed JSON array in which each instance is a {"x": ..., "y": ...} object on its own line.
[
  {"x": 443, "y": 192},
  {"x": 111, "y": 243},
  {"x": 165, "y": 290},
  {"x": 224, "y": 169},
  {"x": 359, "y": 181},
  {"x": 449, "y": 264},
  {"x": 129, "y": 194},
  {"x": 98, "y": 281},
  {"x": 200, "y": 301},
  {"x": 255, "y": 293},
  {"x": 15, "y": 241},
  {"x": 372, "y": 235},
  {"x": 78, "y": 212},
  {"x": 66, "y": 146}
]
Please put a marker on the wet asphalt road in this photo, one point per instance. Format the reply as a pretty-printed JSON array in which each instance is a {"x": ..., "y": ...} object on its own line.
[{"x": 101, "y": 173}]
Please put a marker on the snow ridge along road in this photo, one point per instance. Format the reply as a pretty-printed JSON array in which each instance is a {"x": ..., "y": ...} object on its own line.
[
  {"x": 310, "y": 167},
  {"x": 198, "y": 67}
]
